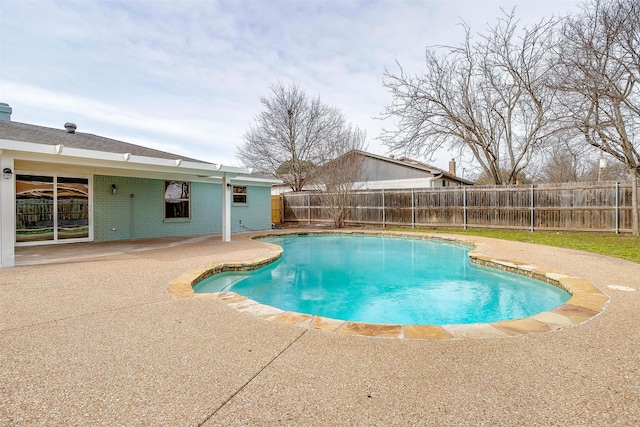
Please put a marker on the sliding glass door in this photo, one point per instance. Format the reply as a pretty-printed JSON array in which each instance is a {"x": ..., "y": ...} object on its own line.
[
  {"x": 73, "y": 208},
  {"x": 51, "y": 208},
  {"x": 34, "y": 208}
]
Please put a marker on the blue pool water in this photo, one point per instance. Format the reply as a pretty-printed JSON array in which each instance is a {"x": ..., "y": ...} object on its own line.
[{"x": 387, "y": 280}]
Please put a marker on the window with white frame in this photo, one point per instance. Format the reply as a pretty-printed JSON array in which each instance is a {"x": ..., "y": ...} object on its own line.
[
  {"x": 240, "y": 194},
  {"x": 177, "y": 200}
]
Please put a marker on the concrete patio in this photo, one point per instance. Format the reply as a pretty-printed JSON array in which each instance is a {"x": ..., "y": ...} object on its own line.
[{"x": 90, "y": 336}]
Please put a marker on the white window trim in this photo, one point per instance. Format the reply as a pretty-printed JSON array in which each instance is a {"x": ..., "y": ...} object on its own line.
[{"x": 245, "y": 194}]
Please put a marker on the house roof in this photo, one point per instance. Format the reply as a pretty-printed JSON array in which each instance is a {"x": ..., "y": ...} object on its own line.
[
  {"x": 416, "y": 164},
  {"x": 24, "y": 132},
  {"x": 85, "y": 150}
]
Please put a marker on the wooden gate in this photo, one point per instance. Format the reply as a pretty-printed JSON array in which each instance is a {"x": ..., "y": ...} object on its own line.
[{"x": 277, "y": 209}]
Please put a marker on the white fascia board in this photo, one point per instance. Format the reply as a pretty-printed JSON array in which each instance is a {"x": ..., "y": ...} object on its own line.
[
  {"x": 60, "y": 154},
  {"x": 257, "y": 180},
  {"x": 168, "y": 166},
  {"x": 232, "y": 169},
  {"x": 228, "y": 171},
  {"x": 246, "y": 180},
  {"x": 30, "y": 147},
  {"x": 34, "y": 166}
]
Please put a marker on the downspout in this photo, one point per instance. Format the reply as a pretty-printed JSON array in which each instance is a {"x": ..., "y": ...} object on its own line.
[{"x": 132, "y": 219}]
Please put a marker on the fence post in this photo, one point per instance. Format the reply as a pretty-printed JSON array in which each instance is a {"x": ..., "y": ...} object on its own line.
[
  {"x": 383, "y": 212},
  {"x": 413, "y": 210},
  {"x": 617, "y": 207},
  {"x": 532, "y": 207},
  {"x": 464, "y": 207},
  {"x": 308, "y": 208}
]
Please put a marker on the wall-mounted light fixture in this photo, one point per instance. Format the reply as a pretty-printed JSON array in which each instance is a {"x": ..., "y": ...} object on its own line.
[
  {"x": 114, "y": 189},
  {"x": 7, "y": 173},
  {"x": 228, "y": 185}
]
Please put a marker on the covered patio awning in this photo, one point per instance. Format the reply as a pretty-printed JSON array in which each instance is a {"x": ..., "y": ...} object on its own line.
[{"x": 36, "y": 157}]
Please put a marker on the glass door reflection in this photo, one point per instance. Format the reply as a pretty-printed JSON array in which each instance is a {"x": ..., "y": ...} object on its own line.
[
  {"x": 34, "y": 208},
  {"x": 50, "y": 208},
  {"x": 73, "y": 208}
]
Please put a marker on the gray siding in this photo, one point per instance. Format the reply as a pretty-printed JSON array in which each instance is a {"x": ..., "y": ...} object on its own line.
[{"x": 379, "y": 170}]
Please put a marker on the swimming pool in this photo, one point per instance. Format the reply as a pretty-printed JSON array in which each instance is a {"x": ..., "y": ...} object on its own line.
[{"x": 386, "y": 279}]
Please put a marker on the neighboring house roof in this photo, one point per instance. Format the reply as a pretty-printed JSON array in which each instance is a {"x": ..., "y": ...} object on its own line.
[
  {"x": 417, "y": 165},
  {"x": 24, "y": 132},
  {"x": 413, "y": 174}
]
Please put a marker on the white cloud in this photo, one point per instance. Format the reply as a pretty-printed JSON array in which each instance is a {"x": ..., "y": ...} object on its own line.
[{"x": 186, "y": 76}]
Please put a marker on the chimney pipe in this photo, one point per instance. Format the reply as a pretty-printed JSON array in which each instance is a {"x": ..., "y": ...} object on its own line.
[
  {"x": 452, "y": 167},
  {"x": 5, "y": 112},
  {"x": 70, "y": 127}
]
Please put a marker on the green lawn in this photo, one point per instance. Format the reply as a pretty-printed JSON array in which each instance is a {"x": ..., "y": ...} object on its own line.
[{"x": 623, "y": 246}]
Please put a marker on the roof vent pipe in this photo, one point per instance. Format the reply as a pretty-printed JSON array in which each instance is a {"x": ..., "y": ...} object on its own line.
[
  {"x": 5, "y": 112},
  {"x": 70, "y": 127}
]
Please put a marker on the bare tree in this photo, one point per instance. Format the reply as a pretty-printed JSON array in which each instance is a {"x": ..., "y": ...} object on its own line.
[
  {"x": 598, "y": 74},
  {"x": 293, "y": 135},
  {"x": 336, "y": 178},
  {"x": 566, "y": 159},
  {"x": 605, "y": 169},
  {"x": 561, "y": 166},
  {"x": 483, "y": 179},
  {"x": 580, "y": 163},
  {"x": 486, "y": 98}
]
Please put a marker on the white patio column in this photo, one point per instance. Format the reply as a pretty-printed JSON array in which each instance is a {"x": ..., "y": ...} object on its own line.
[
  {"x": 7, "y": 211},
  {"x": 226, "y": 208}
]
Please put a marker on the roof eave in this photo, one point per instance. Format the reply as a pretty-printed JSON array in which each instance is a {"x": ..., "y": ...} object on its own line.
[
  {"x": 249, "y": 180},
  {"x": 61, "y": 154}
]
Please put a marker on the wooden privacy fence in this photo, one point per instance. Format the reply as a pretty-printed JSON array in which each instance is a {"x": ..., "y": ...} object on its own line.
[{"x": 602, "y": 206}]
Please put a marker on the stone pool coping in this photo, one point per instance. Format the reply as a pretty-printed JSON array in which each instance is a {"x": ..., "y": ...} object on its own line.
[{"x": 586, "y": 299}]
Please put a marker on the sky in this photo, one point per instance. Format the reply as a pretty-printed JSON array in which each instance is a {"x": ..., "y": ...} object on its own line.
[{"x": 186, "y": 76}]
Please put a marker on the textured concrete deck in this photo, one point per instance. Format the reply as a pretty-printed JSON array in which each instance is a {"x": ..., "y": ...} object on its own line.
[{"x": 100, "y": 342}]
